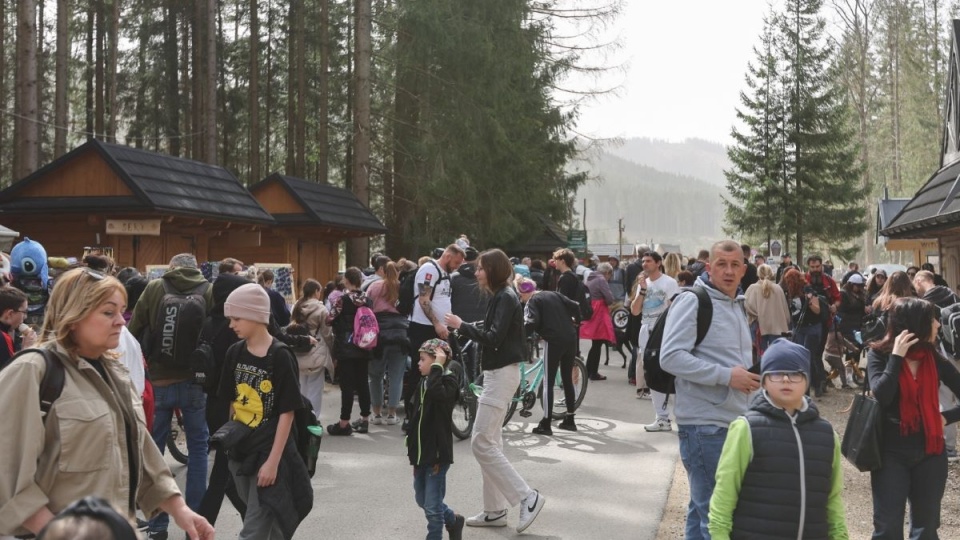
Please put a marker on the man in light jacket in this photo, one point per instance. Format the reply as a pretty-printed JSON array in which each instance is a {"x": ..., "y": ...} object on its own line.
[{"x": 712, "y": 379}]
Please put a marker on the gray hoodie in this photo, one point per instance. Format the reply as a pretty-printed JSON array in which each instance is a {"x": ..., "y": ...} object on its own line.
[{"x": 704, "y": 396}]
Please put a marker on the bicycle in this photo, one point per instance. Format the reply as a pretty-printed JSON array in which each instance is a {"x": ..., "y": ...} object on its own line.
[
  {"x": 177, "y": 441},
  {"x": 465, "y": 409},
  {"x": 528, "y": 391}
]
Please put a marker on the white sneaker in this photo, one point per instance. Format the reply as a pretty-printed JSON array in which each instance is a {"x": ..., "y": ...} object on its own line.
[
  {"x": 392, "y": 420},
  {"x": 530, "y": 507},
  {"x": 376, "y": 420},
  {"x": 659, "y": 425},
  {"x": 484, "y": 519}
]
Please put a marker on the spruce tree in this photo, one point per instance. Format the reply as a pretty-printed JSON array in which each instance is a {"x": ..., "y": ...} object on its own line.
[
  {"x": 825, "y": 204},
  {"x": 754, "y": 207}
]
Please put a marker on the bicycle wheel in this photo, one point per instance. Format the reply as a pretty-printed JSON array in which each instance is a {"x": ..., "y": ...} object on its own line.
[
  {"x": 465, "y": 409},
  {"x": 177, "y": 441},
  {"x": 580, "y": 381}
]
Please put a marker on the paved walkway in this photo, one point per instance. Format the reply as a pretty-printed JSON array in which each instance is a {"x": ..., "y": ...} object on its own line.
[{"x": 609, "y": 480}]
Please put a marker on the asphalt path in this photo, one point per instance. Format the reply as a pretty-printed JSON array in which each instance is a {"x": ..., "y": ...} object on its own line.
[{"x": 609, "y": 480}]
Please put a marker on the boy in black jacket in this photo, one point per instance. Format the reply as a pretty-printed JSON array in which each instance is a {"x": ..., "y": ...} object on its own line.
[{"x": 430, "y": 439}]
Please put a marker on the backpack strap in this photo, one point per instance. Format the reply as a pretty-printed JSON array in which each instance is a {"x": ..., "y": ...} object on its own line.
[
  {"x": 53, "y": 380},
  {"x": 704, "y": 312},
  {"x": 433, "y": 290}
]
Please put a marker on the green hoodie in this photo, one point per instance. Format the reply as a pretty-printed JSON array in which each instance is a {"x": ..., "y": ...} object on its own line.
[{"x": 144, "y": 316}]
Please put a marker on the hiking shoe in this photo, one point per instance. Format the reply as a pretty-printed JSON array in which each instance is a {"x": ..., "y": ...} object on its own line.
[
  {"x": 456, "y": 530},
  {"x": 377, "y": 420},
  {"x": 488, "y": 519},
  {"x": 335, "y": 429},
  {"x": 659, "y": 425},
  {"x": 643, "y": 393},
  {"x": 361, "y": 426},
  {"x": 543, "y": 428},
  {"x": 567, "y": 424},
  {"x": 530, "y": 508},
  {"x": 392, "y": 420}
]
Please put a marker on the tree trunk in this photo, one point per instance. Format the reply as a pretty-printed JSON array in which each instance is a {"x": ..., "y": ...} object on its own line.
[
  {"x": 406, "y": 120},
  {"x": 196, "y": 77},
  {"x": 268, "y": 98},
  {"x": 88, "y": 72},
  {"x": 254, "y": 144},
  {"x": 291, "y": 85},
  {"x": 26, "y": 132},
  {"x": 113, "y": 38},
  {"x": 60, "y": 74},
  {"x": 301, "y": 68},
  {"x": 359, "y": 248},
  {"x": 210, "y": 91},
  {"x": 99, "y": 128},
  {"x": 41, "y": 78},
  {"x": 4, "y": 179},
  {"x": 323, "y": 130},
  {"x": 137, "y": 130},
  {"x": 173, "y": 79}
]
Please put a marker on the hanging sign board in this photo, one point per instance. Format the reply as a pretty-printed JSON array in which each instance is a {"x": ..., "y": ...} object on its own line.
[{"x": 143, "y": 227}]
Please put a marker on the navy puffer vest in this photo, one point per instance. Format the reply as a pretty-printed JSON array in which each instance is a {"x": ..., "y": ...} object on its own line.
[{"x": 787, "y": 484}]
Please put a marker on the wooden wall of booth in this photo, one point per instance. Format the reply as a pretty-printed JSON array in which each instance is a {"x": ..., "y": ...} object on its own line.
[{"x": 311, "y": 253}]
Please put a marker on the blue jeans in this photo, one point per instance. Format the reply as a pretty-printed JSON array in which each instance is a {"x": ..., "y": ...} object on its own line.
[
  {"x": 192, "y": 402},
  {"x": 700, "y": 448},
  {"x": 393, "y": 361},
  {"x": 429, "y": 488}
]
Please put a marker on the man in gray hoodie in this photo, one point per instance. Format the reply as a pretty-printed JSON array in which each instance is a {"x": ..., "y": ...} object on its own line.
[{"x": 712, "y": 379}]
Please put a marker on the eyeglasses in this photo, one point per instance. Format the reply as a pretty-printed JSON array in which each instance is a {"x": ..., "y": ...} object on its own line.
[
  {"x": 22, "y": 311},
  {"x": 793, "y": 376}
]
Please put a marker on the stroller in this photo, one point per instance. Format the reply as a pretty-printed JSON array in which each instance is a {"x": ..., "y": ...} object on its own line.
[{"x": 843, "y": 354}]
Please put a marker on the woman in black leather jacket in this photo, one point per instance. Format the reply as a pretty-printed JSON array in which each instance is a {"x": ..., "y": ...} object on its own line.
[{"x": 502, "y": 342}]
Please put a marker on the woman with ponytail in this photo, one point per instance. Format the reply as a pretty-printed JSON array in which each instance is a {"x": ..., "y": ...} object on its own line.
[
  {"x": 310, "y": 315},
  {"x": 390, "y": 356},
  {"x": 905, "y": 371}
]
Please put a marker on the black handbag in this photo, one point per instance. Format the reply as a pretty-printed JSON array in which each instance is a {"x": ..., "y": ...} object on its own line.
[
  {"x": 229, "y": 435},
  {"x": 861, "y": 439}
]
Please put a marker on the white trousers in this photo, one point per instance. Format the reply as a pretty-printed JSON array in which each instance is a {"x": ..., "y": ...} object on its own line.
[
  {"x": 502, "y": 485},
  {"x": 660, "y": 403},
  {"x": 311, "y": 386}
]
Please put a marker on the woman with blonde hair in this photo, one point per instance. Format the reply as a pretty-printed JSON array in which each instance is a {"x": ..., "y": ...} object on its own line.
[
  {"x": 93, "y": 440},
  {"x": 767, "y": 309},
  {"x": 672, "y": 264}
]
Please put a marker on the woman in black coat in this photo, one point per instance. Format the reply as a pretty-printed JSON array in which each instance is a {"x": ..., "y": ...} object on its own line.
[
  {"x": 905, "y": 370},
  {"x": 502, "y": 341}
]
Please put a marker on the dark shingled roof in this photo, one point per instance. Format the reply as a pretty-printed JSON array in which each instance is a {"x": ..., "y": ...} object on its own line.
[
  {"x": 936, "y": 206},
  {"x": 158, "y": 182},
  {"x": 546, "y": 239},
  {"x": 326, "y": 205},
  {"x": 887, "y": 209}
]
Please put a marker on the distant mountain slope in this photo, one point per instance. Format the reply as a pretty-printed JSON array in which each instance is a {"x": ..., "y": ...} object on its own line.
[
  {"x": 693, "y": 157},
  {"x": 657, "y": 205}
]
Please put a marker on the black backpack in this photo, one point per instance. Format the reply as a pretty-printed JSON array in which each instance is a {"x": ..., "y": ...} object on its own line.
[
  {"x": 408, "y": 288},
  {"x": 583, "y": 298},
  {"x": 202, "y": 362},
  {"x": 176, "y": 332},
  {"x": 658, "y": 379}
]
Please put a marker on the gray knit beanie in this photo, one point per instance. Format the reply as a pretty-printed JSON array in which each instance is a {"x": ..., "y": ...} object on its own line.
[{"x": 249, "y": 302}]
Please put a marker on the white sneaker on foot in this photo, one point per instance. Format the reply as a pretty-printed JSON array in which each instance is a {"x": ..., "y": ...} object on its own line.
[
  {"x": 391, "y": 420},
  {"x": 530, "y": 507},
  {"x": 488, "y": 519},
  {"x": 659, "y": 425},
  {"x": 376, "y": 420}
]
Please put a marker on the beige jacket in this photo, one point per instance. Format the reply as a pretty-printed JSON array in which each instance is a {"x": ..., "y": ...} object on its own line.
[
  {"x": 316, "y": 322},
  {"x": 772, "y": 312},
  {"x": 81, "y": 449}
]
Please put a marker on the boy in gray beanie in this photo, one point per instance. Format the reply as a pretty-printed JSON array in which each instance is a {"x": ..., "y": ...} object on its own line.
[
  {"x": 779, "y": 474},
  {"x": 265, "y": 392}
]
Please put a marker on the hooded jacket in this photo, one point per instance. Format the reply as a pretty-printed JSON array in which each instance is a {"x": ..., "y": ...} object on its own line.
[
  {"x": 144, "y": 320},
  {"x": 941, "y": 296},
  {"x": 314, "y": 315},
  {"x": 430, "y": 441}
]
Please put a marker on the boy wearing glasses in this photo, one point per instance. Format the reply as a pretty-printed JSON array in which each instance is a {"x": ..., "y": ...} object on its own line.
[{"x": 779, "y": 474}]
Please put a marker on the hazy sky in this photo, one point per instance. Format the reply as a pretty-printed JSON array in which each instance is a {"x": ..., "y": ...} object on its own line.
[{"x": 685, "y": 64}]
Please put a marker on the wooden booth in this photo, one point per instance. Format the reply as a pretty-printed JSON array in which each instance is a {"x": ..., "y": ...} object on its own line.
[
  {"x": 311, "y": 220},
  {"x": 143, "y": 208}
]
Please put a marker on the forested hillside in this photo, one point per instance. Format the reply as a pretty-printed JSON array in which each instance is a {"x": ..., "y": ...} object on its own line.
[
  {"x": 693, "y": 157},
  {"x": 655, "y": 205}
]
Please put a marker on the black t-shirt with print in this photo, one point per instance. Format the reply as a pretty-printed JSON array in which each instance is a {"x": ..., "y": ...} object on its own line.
[{"x": 256, "y": 393}]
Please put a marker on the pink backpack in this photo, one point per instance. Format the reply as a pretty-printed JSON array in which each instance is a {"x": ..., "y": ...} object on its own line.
[{"x": 365, "y": 328}]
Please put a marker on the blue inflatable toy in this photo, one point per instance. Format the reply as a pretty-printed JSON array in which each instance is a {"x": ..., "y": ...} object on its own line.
[{"x": 31, "y": 274}]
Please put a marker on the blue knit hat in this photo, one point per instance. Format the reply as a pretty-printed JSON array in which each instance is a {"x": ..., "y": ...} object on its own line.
[{"x": 786, "y": 356}]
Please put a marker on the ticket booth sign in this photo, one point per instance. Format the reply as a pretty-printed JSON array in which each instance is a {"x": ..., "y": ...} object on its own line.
[{"x": 142, "y": 227}]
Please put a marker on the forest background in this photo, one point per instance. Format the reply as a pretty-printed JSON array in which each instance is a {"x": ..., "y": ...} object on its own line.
[{"x": 442, "y": 115}]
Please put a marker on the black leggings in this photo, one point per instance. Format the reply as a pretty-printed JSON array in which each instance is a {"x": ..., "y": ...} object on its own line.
[
  {"x": 907, "y": 474},
  {"x": 559, "y": 356},
  {"x": 593, "y": 357},
  {"x": 353, "y": 380}
]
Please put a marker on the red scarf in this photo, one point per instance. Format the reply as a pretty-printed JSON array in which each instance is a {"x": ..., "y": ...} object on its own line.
[{"x": 920, "y": 401}]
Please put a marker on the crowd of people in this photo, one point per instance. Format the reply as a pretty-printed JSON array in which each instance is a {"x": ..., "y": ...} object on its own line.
[{"x": 247, "y": 373}]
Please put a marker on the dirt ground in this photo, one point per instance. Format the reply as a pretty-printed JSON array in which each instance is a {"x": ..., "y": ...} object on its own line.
[{"x": 856, "y": 494}]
